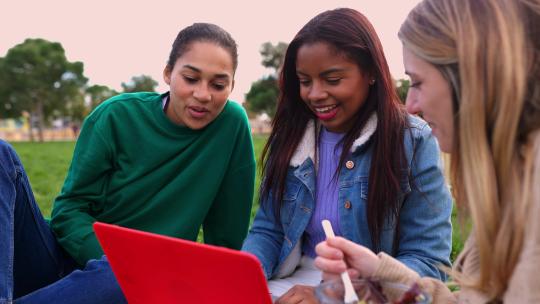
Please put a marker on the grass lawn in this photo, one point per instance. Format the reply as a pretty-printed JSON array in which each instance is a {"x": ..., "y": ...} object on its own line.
[{"x": 47, "y": 163}]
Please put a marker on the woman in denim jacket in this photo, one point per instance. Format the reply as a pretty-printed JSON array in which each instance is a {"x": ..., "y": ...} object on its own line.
[{"x": 343, "y": 148}]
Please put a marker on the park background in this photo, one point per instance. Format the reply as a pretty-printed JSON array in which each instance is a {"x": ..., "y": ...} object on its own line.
[{"x": 60, "y": 59}]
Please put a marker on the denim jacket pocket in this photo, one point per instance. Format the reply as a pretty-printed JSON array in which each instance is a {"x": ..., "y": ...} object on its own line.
[
  {"x": 364, "y": 187},
  {"x": 288, "y": 205},
  {"x": 405, "y": 189}
]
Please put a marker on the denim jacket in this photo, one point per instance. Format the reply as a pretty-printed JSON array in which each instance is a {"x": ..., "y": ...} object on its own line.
[{"x": 425, "y": 231}]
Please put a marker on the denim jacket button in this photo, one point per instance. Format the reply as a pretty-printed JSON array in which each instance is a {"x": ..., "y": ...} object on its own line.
[
  {"x": 347, "y": 204},
  {"x": 349, "y": 164}
]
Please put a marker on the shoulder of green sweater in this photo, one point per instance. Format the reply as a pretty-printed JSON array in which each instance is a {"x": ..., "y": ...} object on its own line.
[
  {"x": 122, "y": 102},
  {"x": 235, "y": 110},
  {"x": 232, "y": 118}
]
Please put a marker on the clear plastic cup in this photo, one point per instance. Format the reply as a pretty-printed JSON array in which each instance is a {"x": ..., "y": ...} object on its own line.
[{"x": 371, "y": 292}]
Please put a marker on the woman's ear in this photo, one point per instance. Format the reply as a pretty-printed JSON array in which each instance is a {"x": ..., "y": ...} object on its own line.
[{"x": 167, "y": 75}]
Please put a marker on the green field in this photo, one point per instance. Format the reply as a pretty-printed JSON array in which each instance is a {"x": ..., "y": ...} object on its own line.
[{"x": 47, "y": 164}]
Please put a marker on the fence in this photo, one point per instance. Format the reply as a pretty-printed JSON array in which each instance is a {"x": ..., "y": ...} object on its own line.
[{"x": 57, "y": 134}]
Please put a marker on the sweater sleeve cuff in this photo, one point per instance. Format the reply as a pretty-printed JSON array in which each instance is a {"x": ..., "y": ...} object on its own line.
[
  {"x": 392, "y": 270},
  {"x": 90, "y": 249}
]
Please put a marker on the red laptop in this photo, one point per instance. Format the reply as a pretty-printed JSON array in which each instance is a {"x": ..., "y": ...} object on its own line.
[{"x": 152, "y": 268}]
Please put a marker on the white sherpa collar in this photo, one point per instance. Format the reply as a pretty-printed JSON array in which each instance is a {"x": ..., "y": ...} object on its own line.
[{"x": 306, "y": 146}]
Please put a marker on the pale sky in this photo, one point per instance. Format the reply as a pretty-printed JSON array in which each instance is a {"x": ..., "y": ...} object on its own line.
[{"x": 118, "y": 39}]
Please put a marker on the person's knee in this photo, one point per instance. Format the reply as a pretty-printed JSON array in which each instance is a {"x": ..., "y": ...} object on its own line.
[
  {"x": 102, "y": 268},
  {"x": 109, "y": 289},
  {"x": 5, "y": 147},
  {"x": 8, "y": 158}
]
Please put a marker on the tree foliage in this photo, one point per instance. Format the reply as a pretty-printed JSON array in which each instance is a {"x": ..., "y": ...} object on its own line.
[
  {"x": 263, "y": 94},
  {"x": 36, "y": 77},
  {"x": 273, "y": 55},
  {"x": 142, "y": 83},
  {"x": 402, "y": 87},
  {"x": 96, "y": 94}
]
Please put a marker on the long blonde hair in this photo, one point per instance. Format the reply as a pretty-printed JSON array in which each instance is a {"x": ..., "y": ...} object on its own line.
[{"x": 489, "y": 52}]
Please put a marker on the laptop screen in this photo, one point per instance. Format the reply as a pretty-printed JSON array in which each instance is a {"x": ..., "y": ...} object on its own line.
[{"x": 152, "y": 268}]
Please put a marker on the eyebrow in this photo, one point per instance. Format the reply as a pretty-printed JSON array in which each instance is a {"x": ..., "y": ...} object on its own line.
[
  {"x": 221, "y": 76},
  {"x": 329, "y": 71}
]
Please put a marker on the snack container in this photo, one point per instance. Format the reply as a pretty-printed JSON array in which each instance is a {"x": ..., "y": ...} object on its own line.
[{"x": 371, "y": 292}]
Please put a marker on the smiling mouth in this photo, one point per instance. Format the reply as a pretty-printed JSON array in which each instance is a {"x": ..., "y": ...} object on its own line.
[
  {"x": 325, "y": 109},
  {"x": 326, "y": 113}
]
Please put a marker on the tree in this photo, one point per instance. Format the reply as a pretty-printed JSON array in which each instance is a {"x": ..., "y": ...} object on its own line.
[
  {"x": 96, "y": 94},
  {"x": 142, "y": 83},
  {"x": 402, "y": 87},
  {"x": 37, "y": 78},
  {"x": 273, "y": 55},
  {"x": 263, "y": 94},
  {"x": 9, "y": 108}
]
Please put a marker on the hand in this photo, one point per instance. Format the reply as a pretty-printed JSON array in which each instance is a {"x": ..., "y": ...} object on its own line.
[
  {"x": 298, "y": 294},
  {"x": 336, "y": 255}
]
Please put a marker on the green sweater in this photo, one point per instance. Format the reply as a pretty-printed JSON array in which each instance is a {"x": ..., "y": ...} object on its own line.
[{"x": 133, "y": 167}]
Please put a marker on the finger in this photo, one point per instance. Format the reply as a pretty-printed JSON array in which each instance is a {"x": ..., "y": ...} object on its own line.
[
  {"x": 328, "y": 276},
  {"x": 356, "y": 256},
  {"x": 285, "y": 297},
  {"x": 323, "y": 249},
  {"x": 293, "y": 298},
  {"x": 306, "y": 294},
  {"x": 347, "y": 247},
  {"x": 293, "y": 295},
  {"x": 303, "y": 294},
  {"x": 309, "y": 296},
  {"x": 332, "y": 266}
]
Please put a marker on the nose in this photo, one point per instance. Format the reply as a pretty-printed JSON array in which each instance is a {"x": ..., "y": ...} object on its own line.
[
  {"x": 317, "y": 92},
  {"x": 411, "y": 103},
  {"x": 201, "y": 93}
]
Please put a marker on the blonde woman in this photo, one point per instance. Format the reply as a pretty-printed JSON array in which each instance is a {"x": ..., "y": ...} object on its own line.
[{"x": 475, "y": 73}]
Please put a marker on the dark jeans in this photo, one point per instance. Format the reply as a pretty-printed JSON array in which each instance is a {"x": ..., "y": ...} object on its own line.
[{"x": 33, "y": 267}]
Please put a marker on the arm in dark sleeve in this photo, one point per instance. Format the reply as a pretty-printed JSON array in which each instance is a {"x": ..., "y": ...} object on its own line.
[
  {"x": 83, "y": 195},
  {"x": 227, "y": 221}
]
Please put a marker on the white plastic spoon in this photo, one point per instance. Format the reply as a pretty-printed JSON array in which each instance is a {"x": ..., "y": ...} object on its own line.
[{"x": 350, "y": 294}]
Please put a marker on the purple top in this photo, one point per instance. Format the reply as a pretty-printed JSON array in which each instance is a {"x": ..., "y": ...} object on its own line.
[{"x": 326, "y": 201}]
